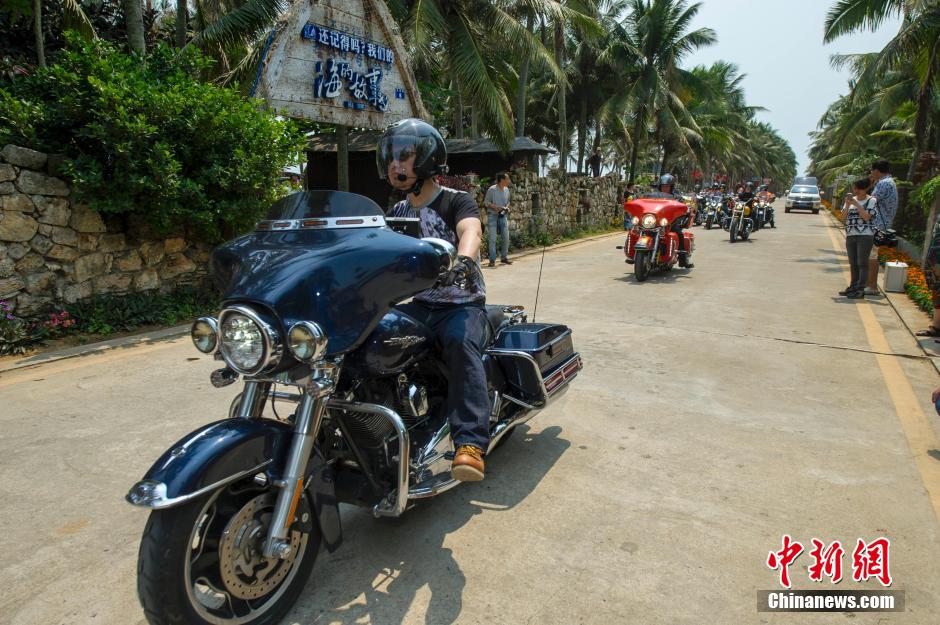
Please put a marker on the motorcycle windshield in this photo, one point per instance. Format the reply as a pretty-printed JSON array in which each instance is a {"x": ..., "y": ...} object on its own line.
[{"x": 327, "y": 257}]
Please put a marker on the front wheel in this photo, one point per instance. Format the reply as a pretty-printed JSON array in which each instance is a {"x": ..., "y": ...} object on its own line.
[
  {"x": 641, "y": 265},
  {"x": 708, "y": 223},
  {"x": 733, "y": 229},
  {"x": 201, "y": 563}
]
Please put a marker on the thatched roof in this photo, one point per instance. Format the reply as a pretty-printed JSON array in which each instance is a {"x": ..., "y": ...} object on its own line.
[{"x": 364, "y": 141}]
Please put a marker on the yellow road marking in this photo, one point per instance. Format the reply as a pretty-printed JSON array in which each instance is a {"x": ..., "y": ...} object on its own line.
[
  {"x": 917, "y": 429},
  {"x": 95, "y": 358}
]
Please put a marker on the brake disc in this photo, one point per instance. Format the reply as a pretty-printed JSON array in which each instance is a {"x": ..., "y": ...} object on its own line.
[{"x": 246, "y": 573}]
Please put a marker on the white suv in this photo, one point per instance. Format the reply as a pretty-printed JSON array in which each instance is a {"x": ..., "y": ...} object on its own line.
[{"x": 804, "y": 197}]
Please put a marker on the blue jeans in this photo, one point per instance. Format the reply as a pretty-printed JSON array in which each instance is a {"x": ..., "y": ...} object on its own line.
[
  {"x": 459, "y": 332},
  {"x": 500, "y": 222}
]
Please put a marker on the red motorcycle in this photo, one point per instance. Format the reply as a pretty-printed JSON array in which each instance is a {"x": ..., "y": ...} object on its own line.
[{"x": 651, "y": 243}]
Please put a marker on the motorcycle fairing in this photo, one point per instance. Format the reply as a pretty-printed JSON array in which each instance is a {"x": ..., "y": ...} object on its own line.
[
  {"x": 343, "y": 278},
  {"x": 670, "y": 209},
  {"x": 227, "y": 450}
]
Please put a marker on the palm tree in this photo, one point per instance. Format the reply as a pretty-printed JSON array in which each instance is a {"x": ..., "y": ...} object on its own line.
[
  {"x": 918, "y": 39},
  {"x": 74, "y": 17},
  {"x": 182, "y": 21},
  {"x": 37, "y": 28},
  {"x": 134, "y": 21},
  {"x": 464, "y": 45},
  {"x": 657, "y": 35}
]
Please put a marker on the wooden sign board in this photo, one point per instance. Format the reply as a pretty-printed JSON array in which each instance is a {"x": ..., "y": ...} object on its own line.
[{"x": 340, "y": 62}]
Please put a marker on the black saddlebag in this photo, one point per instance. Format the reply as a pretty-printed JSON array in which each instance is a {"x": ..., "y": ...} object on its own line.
[{"x": 537, "y": 359}]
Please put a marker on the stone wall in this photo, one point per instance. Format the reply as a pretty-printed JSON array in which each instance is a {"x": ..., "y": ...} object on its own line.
[
  {"x": 555, "y": 205},
  {"x": 54, "y": 250}
]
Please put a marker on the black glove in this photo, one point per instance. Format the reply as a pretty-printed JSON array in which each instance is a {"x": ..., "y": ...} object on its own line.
[{"x": 461, "y": 274}]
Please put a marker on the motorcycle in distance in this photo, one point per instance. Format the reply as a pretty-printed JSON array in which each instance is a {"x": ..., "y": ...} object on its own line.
[
  {"x": 240, "y": 507},
  {"x": 651, "y": 243},
  {"x": 767, "y": 212},
  {"x": 697, "y": 203},
  {"x": 741, "y": 222},
  {"x": 712, "y": 211}
]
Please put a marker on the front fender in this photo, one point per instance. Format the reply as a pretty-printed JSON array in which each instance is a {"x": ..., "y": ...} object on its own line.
[{"x": 226, "y": 451}]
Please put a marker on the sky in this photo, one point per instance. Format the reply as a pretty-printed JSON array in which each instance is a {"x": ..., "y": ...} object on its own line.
[{"x": 778, "y": 45}]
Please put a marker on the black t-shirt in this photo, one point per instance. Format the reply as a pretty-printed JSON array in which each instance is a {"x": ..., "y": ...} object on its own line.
[
  {"x": 745, "y": 196},
  {"x": 439, "y": 219}
]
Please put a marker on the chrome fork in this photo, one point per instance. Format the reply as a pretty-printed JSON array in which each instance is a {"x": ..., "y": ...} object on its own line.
[{"x": 307, "y": 425}]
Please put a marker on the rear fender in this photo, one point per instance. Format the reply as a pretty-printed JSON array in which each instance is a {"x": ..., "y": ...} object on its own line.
[{"x": 223, "y": 452}]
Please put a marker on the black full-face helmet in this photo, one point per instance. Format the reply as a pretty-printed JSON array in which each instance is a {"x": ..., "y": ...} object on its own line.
[{"x": 412, "y": 137}]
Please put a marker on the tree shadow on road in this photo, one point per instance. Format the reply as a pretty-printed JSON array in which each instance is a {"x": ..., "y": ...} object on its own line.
[{"x": 384, "y": 565}]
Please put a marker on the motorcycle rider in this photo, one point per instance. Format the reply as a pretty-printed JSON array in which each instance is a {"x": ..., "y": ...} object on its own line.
[
  {"x": 746, "y": 195},
  {"x": 666, "y": 188},
  {"x": 409, "y": 155}
]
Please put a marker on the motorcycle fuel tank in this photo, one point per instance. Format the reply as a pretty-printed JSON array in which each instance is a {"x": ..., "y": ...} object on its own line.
[{"x": 397, "y": 342}]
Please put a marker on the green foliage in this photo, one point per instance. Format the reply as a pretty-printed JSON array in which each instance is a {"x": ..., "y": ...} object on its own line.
[
  {"x": 15, "y": 337},
  {"x": 119, "y": 313},
  {"x": 925, "y": 194},
  {"x": 151, "y": 138}
]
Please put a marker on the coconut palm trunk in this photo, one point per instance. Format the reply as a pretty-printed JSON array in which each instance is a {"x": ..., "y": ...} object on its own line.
[
  {"x": 182, "y": 19},
  {"x": 37, "y": 28},
  {"x": 562, "y": 109},
  {"x": 634, "y": 153},
  {"x": 134, "y": 21},
  {"x": 923, "y": 111},
  {"x": 521, "y": 92}
]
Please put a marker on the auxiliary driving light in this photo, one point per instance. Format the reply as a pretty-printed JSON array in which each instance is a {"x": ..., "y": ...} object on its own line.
[
  {"x": 306, "y": 341},
  {"x": 205, "y": 334}
]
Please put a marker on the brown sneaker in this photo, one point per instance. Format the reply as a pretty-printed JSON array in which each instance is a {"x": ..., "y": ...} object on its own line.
[
  {"x": 468, "y": 464},
  {"x": 506, "y": 261}
]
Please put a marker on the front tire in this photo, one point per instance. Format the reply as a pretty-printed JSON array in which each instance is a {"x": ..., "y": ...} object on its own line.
[
  {"x": 641, "y": 265},
  {"x": 733, "y": 229},
  {"x": 199, "y": 563},
  {"x": 708, "y": 223}
]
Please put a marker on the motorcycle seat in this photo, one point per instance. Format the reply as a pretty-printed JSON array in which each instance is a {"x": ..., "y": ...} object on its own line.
[{"x": 497, "y": 319}]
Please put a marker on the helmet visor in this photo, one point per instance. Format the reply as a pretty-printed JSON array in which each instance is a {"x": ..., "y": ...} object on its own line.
[{"x": 396, "y": 155}]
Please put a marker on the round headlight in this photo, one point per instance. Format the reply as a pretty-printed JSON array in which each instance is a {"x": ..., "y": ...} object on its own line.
[
  {"x": 306, "y": 341},
  {"x": 205, "y": 334},
  {"x": 649, "y": 220},
  {"x": 242, "y": 342},
  {"x": 663, "y": 222},
  {"x": 635, "y": 221}
]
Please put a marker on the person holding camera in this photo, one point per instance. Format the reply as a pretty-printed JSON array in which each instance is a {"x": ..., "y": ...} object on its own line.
[
  {"x": 859, "y": 210},
  {"x": 496, "y": 202}
]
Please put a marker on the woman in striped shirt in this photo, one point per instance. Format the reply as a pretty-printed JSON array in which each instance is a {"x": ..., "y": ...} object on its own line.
[{"x": 859, "y": 211}]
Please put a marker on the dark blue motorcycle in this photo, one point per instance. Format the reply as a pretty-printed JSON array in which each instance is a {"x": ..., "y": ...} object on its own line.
[{"x": 240, "y": 507}]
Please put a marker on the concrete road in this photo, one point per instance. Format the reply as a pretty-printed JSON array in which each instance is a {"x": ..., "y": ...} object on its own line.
[{"x": 719, "y": 410}]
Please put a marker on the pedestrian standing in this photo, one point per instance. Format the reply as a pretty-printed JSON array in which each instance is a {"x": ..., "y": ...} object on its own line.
[
  {"x": 496, "y": 202},
  {"x": 885, "y": 191},
  {"x": 595, "y": 162},
  {"x": 859, "y": 210}
]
